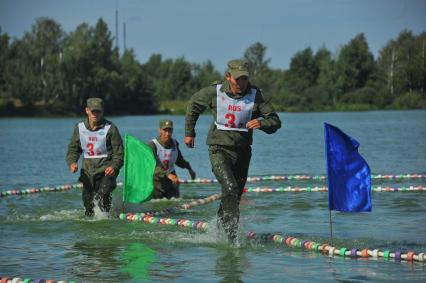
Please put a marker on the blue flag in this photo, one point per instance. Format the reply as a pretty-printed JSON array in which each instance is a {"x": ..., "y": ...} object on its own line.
[{"x": 348, "y": 174}]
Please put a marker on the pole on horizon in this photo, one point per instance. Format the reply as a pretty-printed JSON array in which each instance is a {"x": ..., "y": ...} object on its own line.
[
  {"x": 116, "y": 29},
  {"x": 124, "y": 36},
  {"x": 331, "y": 228}
]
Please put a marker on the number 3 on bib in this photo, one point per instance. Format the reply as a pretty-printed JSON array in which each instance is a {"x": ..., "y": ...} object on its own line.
[
  {"x": 90, "y": 150},
  {"x": 166, "y": 164},
  {"x": 231, "y": 120}
]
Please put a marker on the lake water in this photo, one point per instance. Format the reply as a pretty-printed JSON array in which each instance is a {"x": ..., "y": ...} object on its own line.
[{"x": 46, "y": 235}]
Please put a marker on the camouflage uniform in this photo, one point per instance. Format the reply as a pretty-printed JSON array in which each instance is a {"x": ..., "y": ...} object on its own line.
[
  {"x": 92, "y": 174},
  {"x": 230, "y": 151},
  {"x": 163, "y": 186}
]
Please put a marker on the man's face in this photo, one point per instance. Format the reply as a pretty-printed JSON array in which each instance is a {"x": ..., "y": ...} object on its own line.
[
  {"x": 166, "y": 134},
  {"x": 94, "y": 115},
  {"x": 239, "y": 85}
]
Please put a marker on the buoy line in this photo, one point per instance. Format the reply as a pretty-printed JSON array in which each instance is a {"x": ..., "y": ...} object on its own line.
[
  {"x": 61, "y": 188},
  {"x": 326, "y": 249},
  {"x": 303, "y": 178},
  {"x": 246, "y": 190},
  {"x": 28, "y": 191},
  {"x": 7, "y": 279},
  {"x": 184, "y": 206},
  {"x": 331, "y": 251},
  {"x": 325, "y": 189}
]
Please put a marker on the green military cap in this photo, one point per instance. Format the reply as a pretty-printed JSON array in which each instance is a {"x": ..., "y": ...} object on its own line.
[
  {"x": 95, "y": 103},
  {"x": 166, "y": 124},
  {"x": 238, "y": 68}
]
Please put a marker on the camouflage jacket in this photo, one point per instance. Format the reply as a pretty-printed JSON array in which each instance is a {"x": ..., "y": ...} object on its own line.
[
  {"x": 181, "y": 162},
  {"x": 207, "y": 98},
  {"x": 93, "y": 166}
]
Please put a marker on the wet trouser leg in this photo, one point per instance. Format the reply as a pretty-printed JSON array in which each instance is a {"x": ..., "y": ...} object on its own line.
[
  {"x": 164, "y": 188},
  {"x": 105, "y": 185},
  {"x": 97, "y": 187},
  {"x": 88, "y": 193},
  {"x": 230, "y": 166}
]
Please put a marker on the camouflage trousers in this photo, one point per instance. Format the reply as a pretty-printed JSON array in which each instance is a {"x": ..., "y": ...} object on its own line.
[
  {"x": 164, "y": 188},
  {"x": 230, "y": 166},
  {"x": 97, "y": 188}
]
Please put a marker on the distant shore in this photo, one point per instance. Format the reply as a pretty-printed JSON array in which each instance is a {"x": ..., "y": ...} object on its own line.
[{"x": 177, "y": 108}]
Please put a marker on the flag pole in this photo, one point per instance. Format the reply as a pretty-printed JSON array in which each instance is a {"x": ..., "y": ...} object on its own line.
[{"x": 331, "y": 228}]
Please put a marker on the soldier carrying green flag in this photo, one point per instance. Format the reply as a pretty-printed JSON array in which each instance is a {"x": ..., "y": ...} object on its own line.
[{"x": 167, "y": 152}]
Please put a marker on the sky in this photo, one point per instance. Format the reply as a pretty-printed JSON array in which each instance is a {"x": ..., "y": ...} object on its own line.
[{"x": 220, "y": 30}]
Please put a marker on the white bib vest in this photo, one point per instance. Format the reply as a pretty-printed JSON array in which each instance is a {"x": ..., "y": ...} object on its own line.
[
  {"x": 93, "y": 143},
  {"x": 167, "y": 156},
  {"x": 233, "y": 114}
]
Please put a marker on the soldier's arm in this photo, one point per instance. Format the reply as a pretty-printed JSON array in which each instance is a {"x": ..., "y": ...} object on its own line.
[
  {"x": 197, "y": 104},
  {"x": 117, "y": 149},
  {"x": 269, "y": 120},
  {"x": 181, "y": 162},
  {"x": 74, "y": 148}
]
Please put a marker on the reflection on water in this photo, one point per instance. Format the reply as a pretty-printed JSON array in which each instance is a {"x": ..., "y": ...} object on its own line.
[
  {"x": 230, "y": 265},
  {"x": 137, "y": 259},
  {"x": 97, "y": 260}
]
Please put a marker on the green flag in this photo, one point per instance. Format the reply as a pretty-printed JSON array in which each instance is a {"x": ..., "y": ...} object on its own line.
[{"x": 139, "y": 165}]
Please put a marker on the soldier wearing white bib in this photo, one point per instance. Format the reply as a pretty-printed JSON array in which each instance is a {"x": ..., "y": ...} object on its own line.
[
  {"x": 100, "y": 143},
  {"x": 238, "y": 108},
  {"x": 167, "y": 152}
]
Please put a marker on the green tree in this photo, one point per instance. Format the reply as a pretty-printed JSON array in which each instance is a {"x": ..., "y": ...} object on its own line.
[
  {"x": 303, "y": 72},
  {"x": 355, "y": 65},
  {"x": 153, "y": 66},
  {"x": 255, "y": 55},
  {"x": 386, "y": 68},
  {"x": 33, "y": 68},
  {"x": 401, "y": 67},
  {"x": 104, "y": 72},
  {"x": 4, "y": 56},
  {"x": 172, "y": 78},
  {"x": 136, "y": 91},
  {"x": 49, "y": 70},
  {"x": 326, "y": 80},
  {"x": 77, "y": 67},
  {"x": 263, "y": 76},
  {"x": 204, "y": 74},
  {"x": 421, "y": 43},
  {"x": 90, "y": 65},
  {"x": 179, "y": 80},
  {"x": 409, "y": 61}
]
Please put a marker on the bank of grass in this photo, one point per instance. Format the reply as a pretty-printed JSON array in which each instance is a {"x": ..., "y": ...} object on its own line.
[
  {"x": 326, "y": 108},
  {"x": 178, "y": 107}
]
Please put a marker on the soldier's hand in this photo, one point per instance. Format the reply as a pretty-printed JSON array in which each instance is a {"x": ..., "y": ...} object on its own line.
[
  {"x": 192, "y": 174},
  {"x": 253, "y": 124},
  {"x": 190, "y": 142},
  {"x": 73, "y": 167},
  {"x": 109, "y": 171},
  {"x": 173, "y": 178}
]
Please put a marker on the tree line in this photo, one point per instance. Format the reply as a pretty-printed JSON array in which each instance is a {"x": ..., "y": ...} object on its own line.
[{"x": 51, "y": 72}]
